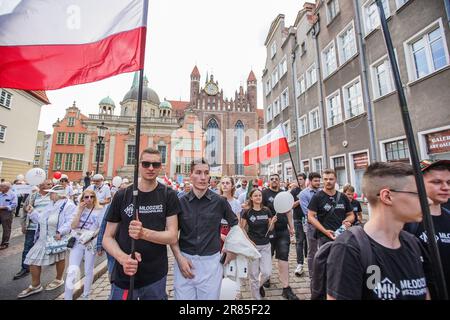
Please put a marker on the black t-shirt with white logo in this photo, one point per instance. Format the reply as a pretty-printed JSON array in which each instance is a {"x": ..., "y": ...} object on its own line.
[
  {"x": 322, "y": 203},
  {"x": 258, "y": 224},
  {"x": 153, "y": 211},
  {"x": 442, "y": 230},
  {"x": 268, "y": 196},
  {"x": 298, "y": 213},
  {"x": 394, "y": 274}
]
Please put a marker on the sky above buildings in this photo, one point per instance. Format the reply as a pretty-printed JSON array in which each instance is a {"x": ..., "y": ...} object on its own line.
[{"x": 225, "y": 38}]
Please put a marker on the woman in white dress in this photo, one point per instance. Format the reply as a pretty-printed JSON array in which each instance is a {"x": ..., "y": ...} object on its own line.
[
  {"x": 85, "y": 227},
  {"x": 54, "y": 221}
]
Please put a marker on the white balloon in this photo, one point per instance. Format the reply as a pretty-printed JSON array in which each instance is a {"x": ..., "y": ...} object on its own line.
[
  {"x": 35, "y": 176},
  {"x": 229, "y": 289},
  {"x": 20, "y": 177},
  {"x": 283, "y": 202},
  {"x": 117, "y": 181}
]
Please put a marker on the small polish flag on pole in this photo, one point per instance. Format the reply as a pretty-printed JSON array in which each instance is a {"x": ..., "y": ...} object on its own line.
[
  {"x": 51, "y": 44},
  {"x": 270, "y": 146}
]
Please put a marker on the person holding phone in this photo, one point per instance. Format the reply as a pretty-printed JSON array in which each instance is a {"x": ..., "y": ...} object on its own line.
[{"x": 87, "y": 219}]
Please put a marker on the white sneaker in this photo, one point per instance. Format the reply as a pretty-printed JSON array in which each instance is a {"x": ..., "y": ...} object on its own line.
[
  {"x": 83, "y": 297},
  {"x": 299, "y": 270}
]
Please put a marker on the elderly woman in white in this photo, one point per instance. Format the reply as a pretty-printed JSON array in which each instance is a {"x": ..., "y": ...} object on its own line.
[{"x": 54, "y": 222}]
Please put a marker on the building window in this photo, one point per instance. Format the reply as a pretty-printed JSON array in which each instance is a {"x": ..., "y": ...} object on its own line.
[
  {"x": 371, "y": 16},
  {"x": 130, "y": 154},
  {"x": 302, "y": 126},
  {"x": 213, "y": 143},
  {"x": 5, "y": 99},
  {"x": 427, "y": 52},
  {"x": 163, "y": 151},
  {"x": 346, "y": 43},
  {"x": 68, "y": 162},
  {"x": 353, "y": 102},
  {"x": 311, "y": 76},
  {"x": 238, "y": 147},
  {"x": 70, "y": 121},
  {"x": 197, "y": 145},
  {"x": 190, "y": 127},
  {"x": 37, "y": 151},
  {"x": 397, "y": 151},
  {"x": 400, "y": 3},
  {"x": 57, "y": 164},
  {"x": 329, "y": 60},
  {"x": 334, "y": 109},
  {"x": 269, "y": 113},
  {"x": 332, "y": 10},
  {"x": 287, "y": 130},
  {"x": 36, "y": 162},
  {"x": 285, "y": 99},
  {"x": 317, "y": 165},
  {"x": 274, "y": 77},
  {"x": 382, "y": 80},
  {"x": 305, "y": 167},
  {"x": 314, "y": 119},
  {"x": 301, "y": 84},
  {"x": 2, "y": 133},
  {"x": 268, "y": 87},
  {"x": 71, "y": 138},
  {"x": 283, "y": 67},
  {"x": 79, "y": 162},
  {"x": 60, "y": 138},
  {"x": 101, "y": 149},
  {"x": 276, "y": 107},
  {"x": 339, "y": 168},
  {"x": 273, "y": 49},
  {"x": 187, "y": 166},
  {"x": 81, "y": 138}
]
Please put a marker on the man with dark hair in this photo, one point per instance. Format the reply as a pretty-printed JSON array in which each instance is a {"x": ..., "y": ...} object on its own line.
[
  {"x": 87, "y": 180},
  {"x": 300, "y": 235},
  {"x": 155, "y": 227},
  {"x": 198, "y": 271},
  {"x": 393, "y": 265},
  {"x": 436, "y": 175},
  {"x": 329, "y": 209},
  {"x": 281, "y": 240}
]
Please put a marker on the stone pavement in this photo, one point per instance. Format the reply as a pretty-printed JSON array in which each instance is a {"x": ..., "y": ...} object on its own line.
[{"x": 300, "y": 285}]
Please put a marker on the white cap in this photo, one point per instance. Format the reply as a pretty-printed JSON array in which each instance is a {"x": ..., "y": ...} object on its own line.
[
  {"x": 98, "y": 176},
  {"x": 58, "y": 189}
]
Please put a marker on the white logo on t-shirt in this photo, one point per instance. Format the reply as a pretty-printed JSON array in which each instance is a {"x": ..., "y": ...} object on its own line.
[
  {"x": 129, "y": 210},
  {"x": 252, "y": 218},
  {"x": 386, "y": 290}
]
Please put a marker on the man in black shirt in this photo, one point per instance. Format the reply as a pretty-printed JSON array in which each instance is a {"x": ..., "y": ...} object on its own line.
[
  {"x": 281, "y": 241},
  {"x": 197, "y": 271},
  {"x": 436, "y": 175},
  {"x": 87, "y": 180},
  {"x": 300, "y": 235},
  {"x": 155, "y": 227},
  {"x": 331, "y": 208},
  {"x": 395, "y": 270}
]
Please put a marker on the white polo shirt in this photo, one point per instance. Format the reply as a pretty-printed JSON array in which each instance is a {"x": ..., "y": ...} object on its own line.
[{"x": 102, "y": 193}]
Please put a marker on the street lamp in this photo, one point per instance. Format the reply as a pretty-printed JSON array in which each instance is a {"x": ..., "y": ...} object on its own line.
[{"x": 101, "y": 132}]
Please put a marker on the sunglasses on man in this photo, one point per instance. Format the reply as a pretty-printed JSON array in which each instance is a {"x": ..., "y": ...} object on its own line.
[{"x": 147, "y": 164}]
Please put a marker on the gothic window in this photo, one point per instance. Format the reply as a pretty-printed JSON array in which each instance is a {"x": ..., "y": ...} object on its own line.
[
  {"x": 238, "y": 147},
  {"x": 213, "y": 142}
]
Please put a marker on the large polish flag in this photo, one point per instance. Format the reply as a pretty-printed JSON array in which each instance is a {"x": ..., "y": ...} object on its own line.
[
  {"x": 270, "y": 146},
  {"x": 50, "y": 44}
]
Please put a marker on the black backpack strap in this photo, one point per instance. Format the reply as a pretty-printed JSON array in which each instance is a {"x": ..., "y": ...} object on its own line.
[{"x": 364, "y": 246}]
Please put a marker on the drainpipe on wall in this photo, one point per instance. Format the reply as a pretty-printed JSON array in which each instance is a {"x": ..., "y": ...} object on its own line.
[
  {"x": 296, "y": 111},
  {"x": 315, "y": 32},
  {"x": 365, "y": 86}
]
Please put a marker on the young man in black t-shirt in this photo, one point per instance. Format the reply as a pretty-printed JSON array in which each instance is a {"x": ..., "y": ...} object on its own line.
[
  {"x": 284, "y": 228},
  {"x": 155, "y": 227},
  {"x": 395, "y": 270},
  {"x": 329, "y": 209},
  {"x": 436, "y": 175},
  {"x": 300, "y": 235},
  {"x": 349, "y": 191}
]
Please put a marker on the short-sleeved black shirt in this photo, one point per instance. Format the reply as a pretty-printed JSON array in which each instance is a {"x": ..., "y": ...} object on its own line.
[
  {"x": 153, "y": 211},
  {"x": 268, "y": 196},
  {"x": 200, "y": 222},
  {"x": 258, "y": 224},
  {"x": 356, "y": 206},
  {"x": 322, "y": 203},
  {"x": 401, "y": 272},
  {"x": 298, "y": 213}
]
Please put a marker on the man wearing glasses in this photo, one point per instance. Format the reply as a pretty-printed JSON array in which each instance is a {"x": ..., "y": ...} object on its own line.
[
  {"x": 101, "y": 190},
  {"x": 155, "y": 227},
  {"x": 396, "y": 268},
  {"x": 329, "y": 210},
  {"x": 281, "y": 240}
]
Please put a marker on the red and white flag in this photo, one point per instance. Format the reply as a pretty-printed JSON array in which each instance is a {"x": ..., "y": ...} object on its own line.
[
  {"x": 270, "y": 146},
  {"x": 50, "y": 44}
]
